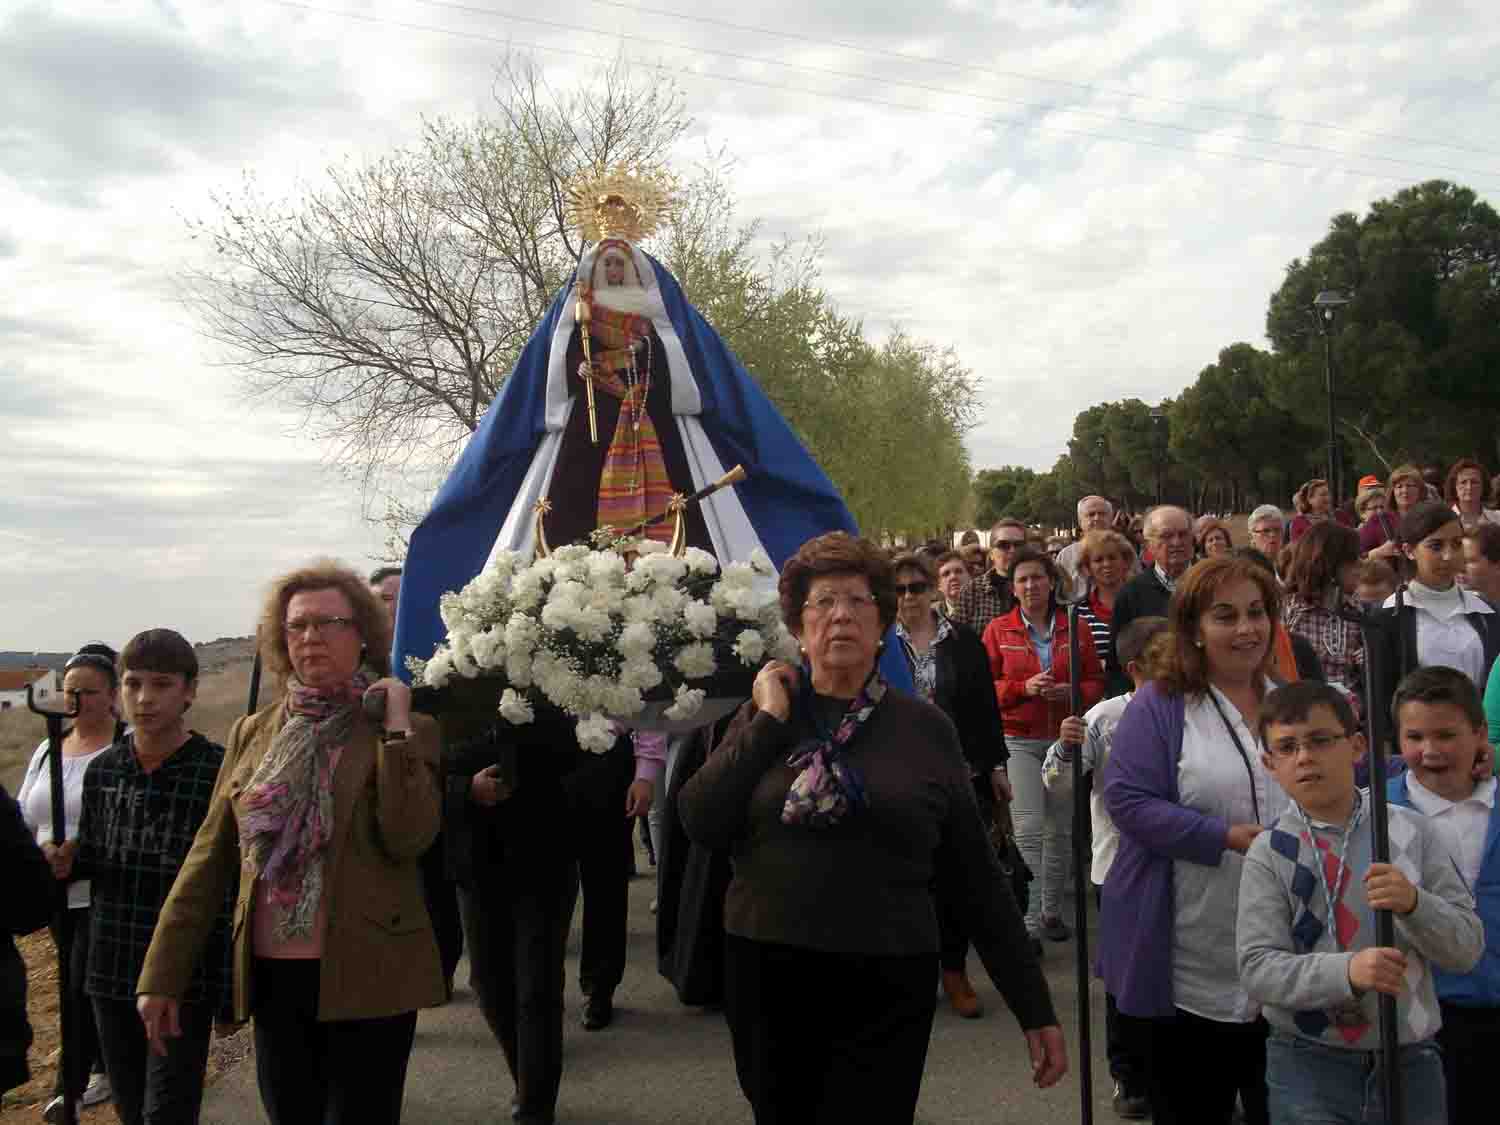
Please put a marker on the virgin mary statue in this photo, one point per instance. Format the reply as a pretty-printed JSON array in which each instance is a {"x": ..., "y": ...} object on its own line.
[{"x": 623, "y": 397}]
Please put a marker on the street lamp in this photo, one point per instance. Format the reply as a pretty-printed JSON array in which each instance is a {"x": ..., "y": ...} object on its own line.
[
  {"x": 1158, "y": 424},
  {"x": 1325, "y": 308}
]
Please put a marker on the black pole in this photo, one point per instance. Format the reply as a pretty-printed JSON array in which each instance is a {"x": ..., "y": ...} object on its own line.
[
  {"x": 65, "y": 1013},
  {"x": 1080, "y": 881},
  {"x": 1335, "y": 492},
  {"x": 1376, "y": 631}
]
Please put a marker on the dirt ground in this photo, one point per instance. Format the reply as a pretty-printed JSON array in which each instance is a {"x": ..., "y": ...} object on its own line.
[{"x": 222, "y": 694}]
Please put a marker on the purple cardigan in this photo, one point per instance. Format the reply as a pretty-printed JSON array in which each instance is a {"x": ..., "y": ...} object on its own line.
[{"x": 1140, "y": 792}]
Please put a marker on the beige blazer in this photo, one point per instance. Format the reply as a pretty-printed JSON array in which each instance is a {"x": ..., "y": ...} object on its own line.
[{"x": 379, "y": 955}]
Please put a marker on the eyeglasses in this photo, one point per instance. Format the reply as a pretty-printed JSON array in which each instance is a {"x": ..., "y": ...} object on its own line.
[
  {"x": 914, "y": 588},
  {"x": 302, "y": 625},
  {"x": 826, "y": 603},
  {"x": 82, "y": 691},
  {"x": 1317, "y": 742}
]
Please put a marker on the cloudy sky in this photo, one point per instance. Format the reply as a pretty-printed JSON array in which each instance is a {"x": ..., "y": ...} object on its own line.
[{"x": 1085, "y": 199}]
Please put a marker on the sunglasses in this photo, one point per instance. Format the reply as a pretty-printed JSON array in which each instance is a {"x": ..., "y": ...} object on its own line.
[
  {"x": 1008, "y": 544},
  {"x": 904, "y": 588}
]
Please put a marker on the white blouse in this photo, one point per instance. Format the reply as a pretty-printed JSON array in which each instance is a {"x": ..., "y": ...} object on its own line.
[
  {"x": 1212, "y": 778},
  {"x": 35, "y": 799},
  {"x": 1445, "y": 636}
]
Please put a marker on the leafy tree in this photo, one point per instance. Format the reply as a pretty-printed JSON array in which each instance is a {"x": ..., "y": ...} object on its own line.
[
  {"x": 1417, "y": 352},
  {"x": 1002, "y": 492}
]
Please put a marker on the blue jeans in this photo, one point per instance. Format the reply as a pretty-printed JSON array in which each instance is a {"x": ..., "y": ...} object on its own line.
[{"x": 1313, "y": 1084}]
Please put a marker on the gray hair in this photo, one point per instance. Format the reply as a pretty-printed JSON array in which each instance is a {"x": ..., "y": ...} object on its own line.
[
  {"x": 1264, "y": 512},
  {"x": 1079, "y": 506},
  {"x": 1149, "y": 527}
]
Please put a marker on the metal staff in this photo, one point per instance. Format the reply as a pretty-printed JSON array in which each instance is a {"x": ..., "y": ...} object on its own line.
[
  {"x": 254, "y": 678},
  {"x": 733, "y": 476},
  {"x": 65, "y": 1015},
  {"x": 1080, "y": 900},
  {"x": 1376, "y": 630}
]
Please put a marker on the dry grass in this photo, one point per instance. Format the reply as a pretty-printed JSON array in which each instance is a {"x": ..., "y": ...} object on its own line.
[{"x": 222, "y": 694}]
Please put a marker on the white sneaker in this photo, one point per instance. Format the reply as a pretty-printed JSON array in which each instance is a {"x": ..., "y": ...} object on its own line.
[
  {"x": 53, "y": 1113},
  {"x": 97, "y": 1090}
]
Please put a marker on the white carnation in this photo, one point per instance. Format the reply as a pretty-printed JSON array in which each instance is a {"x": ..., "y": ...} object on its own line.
[
  {"x": 463, "y": 660},
  {"x": 506, "y": 562},
  {"x": 661, "y": 568},
  {"x": 438, "y": 669},
  {"x": 642, "y": 675},
  {"x": 700, "y": 562},
  {"x": 649, "y": 547},
  {"x": 687, "y": 704},
  {"x": 606, "y": 568},
  {"x": 636, "y": 640},
  {"x": 518, "y": 667},
  {"x": 750, "y": 647},
  {"x": 700, "y": 618},
  {"x": 596, "y": 734},
  {"x": 488, "y": 648},
  {"x": 451, "y": 610},
  {"x": 638, "y": 608},
  {"x": 526, "y": 590},
  {"x": 696, "y": 661},
  {"x": 514, "y": 708},
  {"x": 573, "y": 552},
  {"x": 520, "y": 634},
  {"x": 623, "y": 699}
]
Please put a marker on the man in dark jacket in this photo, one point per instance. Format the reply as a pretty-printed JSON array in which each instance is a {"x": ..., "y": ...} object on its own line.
[
  {"x": 26, "y": 905},
  {"x": 1169, "y": 535},
  {"x": 989, "y": 595}
]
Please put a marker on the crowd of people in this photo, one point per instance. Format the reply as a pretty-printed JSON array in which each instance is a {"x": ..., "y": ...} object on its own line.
[{"x": 320, "y": 872}]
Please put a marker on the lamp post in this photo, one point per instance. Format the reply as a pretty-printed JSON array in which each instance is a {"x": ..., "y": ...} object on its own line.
[
  {"x": 1158, "y": 424},
  {"x": 1325, "y": 309}
]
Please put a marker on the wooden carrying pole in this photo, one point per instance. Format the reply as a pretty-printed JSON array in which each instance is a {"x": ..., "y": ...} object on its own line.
[
  {"x": 1080, "y": 882},
  {"x": 66, "y": 1017}
]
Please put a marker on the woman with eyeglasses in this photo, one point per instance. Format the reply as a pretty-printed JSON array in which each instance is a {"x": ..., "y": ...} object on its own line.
[
  {"x": 1188, "y": 790},
  {"x": 1464, "y": 489},
  {"x": 843, "y": 802},
  {"x": 1031, "y": 666},
  {"x": 89, "y": 681},
  {"x": 1105, "y": 560},
  {"x": 949, "y": 667},
  {"x": 329, "y": 812}
]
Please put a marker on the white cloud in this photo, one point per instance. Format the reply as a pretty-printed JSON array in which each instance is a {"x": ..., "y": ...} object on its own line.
[{"x": 1069, "y": 255}]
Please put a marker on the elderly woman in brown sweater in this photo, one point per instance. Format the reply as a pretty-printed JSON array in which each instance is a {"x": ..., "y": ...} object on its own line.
[{"x": 843, "y": 802}]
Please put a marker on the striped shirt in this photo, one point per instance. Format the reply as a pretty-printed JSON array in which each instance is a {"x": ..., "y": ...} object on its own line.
[{"x": 1097, "y": 616}]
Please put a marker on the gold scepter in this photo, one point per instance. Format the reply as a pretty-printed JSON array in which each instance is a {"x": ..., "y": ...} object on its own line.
[{"x": 584, "y": 313}]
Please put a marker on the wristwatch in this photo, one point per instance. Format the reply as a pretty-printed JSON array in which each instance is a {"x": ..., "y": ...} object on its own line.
[{"x": 390, "y": 736}]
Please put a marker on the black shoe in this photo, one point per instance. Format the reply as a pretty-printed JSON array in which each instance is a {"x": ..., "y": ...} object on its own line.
[
  {"x": 1036, "y": 948},
  {"x": 598, "y": 1011},
  {"x": 1130, "y": 1106}
]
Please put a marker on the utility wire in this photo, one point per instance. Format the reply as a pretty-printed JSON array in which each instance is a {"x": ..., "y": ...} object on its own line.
[
  {"x": 1010, "y": 122},
  {"x": 1045, "y": 107},
  {"x": 1087, "y": 87}
]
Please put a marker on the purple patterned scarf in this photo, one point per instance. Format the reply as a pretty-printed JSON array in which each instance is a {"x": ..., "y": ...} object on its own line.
[
  {"x": 829, "y": 787},
  {"x": 287, "y": 817}
]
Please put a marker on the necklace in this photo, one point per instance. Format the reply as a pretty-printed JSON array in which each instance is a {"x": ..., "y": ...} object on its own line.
[{"x": 1350, "y": 1013}]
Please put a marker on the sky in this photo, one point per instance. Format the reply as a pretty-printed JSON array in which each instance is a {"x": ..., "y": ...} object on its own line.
[{"x": 1085, "y": 200}]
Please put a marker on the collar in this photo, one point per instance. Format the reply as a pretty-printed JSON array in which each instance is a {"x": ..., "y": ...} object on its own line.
[
  {"x": 1425, "y": 801},
  {"x": 1161, "y": 576},
  {"x": 942, "y": 624},
  {"x": 1031, "y": 626},
  {"x": 1361, "y": 797},
  {"x": 1442, "y": 604}
]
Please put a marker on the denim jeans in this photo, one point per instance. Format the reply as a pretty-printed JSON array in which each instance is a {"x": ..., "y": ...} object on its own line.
[
  {"x": 1044, "y": 829},
  {"x": 1313, "y": 1084}
]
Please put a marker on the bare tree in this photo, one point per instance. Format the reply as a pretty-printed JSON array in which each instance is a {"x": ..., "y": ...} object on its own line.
[{"x": 388, "y": 304}]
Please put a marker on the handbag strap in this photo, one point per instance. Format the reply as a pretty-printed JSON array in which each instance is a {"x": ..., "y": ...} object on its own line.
[{"x": 1240, "y": 746}]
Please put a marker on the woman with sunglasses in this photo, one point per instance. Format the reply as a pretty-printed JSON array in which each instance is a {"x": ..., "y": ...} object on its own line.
[
  {"x": 949, "y": 668},
  {"x": 89, "y": 680}
]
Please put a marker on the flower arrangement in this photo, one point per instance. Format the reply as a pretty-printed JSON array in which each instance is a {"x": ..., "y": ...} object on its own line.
[{"x": 584, "y": 632}]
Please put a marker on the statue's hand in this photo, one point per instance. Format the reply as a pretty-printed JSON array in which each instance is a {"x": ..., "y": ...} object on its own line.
[{"x": 585, "y": 369}]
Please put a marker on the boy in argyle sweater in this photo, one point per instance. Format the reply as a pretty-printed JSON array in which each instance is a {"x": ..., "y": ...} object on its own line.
[{"x": 1319, "y": 982}]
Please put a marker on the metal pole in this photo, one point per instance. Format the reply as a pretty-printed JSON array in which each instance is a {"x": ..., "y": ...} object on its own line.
[
  {"x": 1375, "y": 632},
  {"x": 1080, "y": 888},
  {"x": 254, "y": 678},
  {"x": 1335, "y": 492},
  {"x": 65, "y": 1013}
]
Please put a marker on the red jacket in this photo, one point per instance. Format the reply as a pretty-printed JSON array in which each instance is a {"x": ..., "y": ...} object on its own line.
[{"x": 1013, "y": 661}]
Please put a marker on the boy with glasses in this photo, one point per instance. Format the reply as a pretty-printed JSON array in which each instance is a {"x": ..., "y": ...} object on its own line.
[
  {"x": 988, "y": 595},
  {"x": 1441, "y": 729},
  {"x": 1306, "y": 928}
]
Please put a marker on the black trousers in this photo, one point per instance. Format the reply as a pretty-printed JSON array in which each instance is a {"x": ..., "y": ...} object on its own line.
[
  {"x": 517, "y": 923},
  {"x": 442, "y": 907},
  {"x": 1197, "y": 1066},
  {"x": 70, "y": 933},
  {"x": 334, "y": 1072},
  {"x": 828, "y": 1038},
  {"x": 605, "y": 850},
  {"x": 953, "y": 934},
  {"x": 1127, "y": 1039},
  {"x": 1470, "y": 1038},
  {"x": 150, "y": 1089}
]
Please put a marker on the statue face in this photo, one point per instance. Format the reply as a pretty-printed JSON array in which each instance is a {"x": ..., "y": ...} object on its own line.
[{"x": 614, "y": 270}]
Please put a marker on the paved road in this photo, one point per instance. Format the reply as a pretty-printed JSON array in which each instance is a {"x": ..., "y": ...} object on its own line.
[{"x": 661, "y": 1062}]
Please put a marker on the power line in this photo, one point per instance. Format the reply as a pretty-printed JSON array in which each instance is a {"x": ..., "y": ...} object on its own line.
[
  {"x": 513, "y": 17},
  {"x": 1088, "y": 87},
  {"x": 1010, "y": 122}
]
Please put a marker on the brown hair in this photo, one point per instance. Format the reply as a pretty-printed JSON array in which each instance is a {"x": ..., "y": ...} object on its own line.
[
  {"x": 1487, "y": 538},
  {"x": 1463, "y": 465},
  {"x": 323, "y": 574},
  {"x": 1302, "y": 501},
  {"x": 1186, "y": 668},
  {"x": 1049, "y": 564},
  {"x": 913, "y": 560},
  {"x": 945, "y": 558},
  {"x": 1207, "y": 527},
  {"x": 1005, "y": 521},
  {"x": 160, "y": 650},
  {"x": 838, "y": 552},
  {"x": 1400, "y": 473},
  {"x": 972, "y": 553},
  {"x": 1324, "y": 550},
  {"x": 1378, "y": 571}
]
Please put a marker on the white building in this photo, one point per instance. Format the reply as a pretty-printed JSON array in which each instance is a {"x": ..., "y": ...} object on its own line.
[{"x": 13, "y": 683}]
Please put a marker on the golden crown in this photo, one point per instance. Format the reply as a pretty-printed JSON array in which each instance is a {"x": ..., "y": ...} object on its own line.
[{"x": 630, "y": 203}]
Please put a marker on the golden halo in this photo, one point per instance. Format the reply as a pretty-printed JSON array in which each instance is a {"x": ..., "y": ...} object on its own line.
[{"x": 630, "y": 202}]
